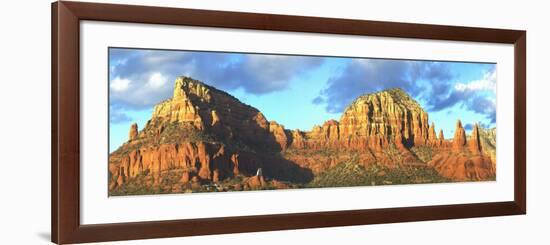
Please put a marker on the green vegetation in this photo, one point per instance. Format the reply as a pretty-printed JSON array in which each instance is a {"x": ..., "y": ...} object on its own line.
[
  {"x": 143, "y": 185},
  {"x": 353, "y": 174},
  {"x": 345, "y": 174},
  {"x": 176, "y": 132},
  {"x": 166, "y": 133},
  {"x": 424, "y": 153},
  {"x": 487, "y": 138},
  {"x": 394, "y": 154},
  {"x": 326, "y": 152},
  {"x": 170, "y": 183},
  {"x": 136, "y": 186}
]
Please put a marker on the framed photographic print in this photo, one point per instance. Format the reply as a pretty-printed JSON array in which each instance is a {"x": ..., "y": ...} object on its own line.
[{"x": 176, "y": 122}]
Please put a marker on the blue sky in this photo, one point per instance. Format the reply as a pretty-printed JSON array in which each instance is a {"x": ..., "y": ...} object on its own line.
[{"x": 298, "y": 91}]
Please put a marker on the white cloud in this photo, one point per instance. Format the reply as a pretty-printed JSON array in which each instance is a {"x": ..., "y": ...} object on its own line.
[
  {"x": 157, "y": 80},
  {"x": 488, "y": 82},
  {"x": 120, "y": 84}
]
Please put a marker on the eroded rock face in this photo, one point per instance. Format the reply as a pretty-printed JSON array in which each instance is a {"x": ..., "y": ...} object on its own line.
[
  {"x": 459, "y": 140},
  {"x": 181, "y": 107},
  {"x": 383, "y": 114},
  {"x": 212, "y": 110},
  {"x": 368, "y": 130},
  {"x": 441, "y": 139},
  {"x": 473, "y": 142},
  {"x": 191, "y": 130},
  {"x": 464, "y": 163},
  {"x": 432, "y": 138},
  {"x": 279, "y": 134},
  {"x": 215, "y": 119},
  {"x": 463, "y": 166},
  {"x": 133, "y": 132},
  {"x": 488, "y": 141},
  {"x": 372, "y": 121},
  {"x": 184, "y": 177},
  {"x": 255, "y": 182},
  {"x": 212, "y": 136},
  {"x": 188, "y": 156},
  {"x": 298, "y": 139}
]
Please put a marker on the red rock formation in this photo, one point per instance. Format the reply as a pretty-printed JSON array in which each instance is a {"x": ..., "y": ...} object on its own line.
[
  {"x": 441, "y": 139},
  {"x": 120, "y": 180},
  {"x": 319, "y": 137},
  {"x": 235, "y": 162},
  {"x": 279, "y": 184},
  {"x": 177, "y": 135},
  {"x": 399, "y": 141},
  {"x": 253, "y": 182},
  {"x": 181, "y": 108},
  {"x": 256, "y": 181},
  {"x": 432, "y": 138},
  {"x": 473, "y": 142},
  {"x": 297, "y": 139},
  {"x": 487, "y": 139},
  {"x": 216, "y": 176},
  {"x": 204, "y": 159},
  {"x": 464, "y": 163},
  {"x": 133, "y": 132},
  {"x": 195, "y": 182},
  {"x": 368, "y": 127},
  {"x": 459, "y": 139},
  {"x": 215, "y": 119},
  {"x": 372, "y": 121},
  {"x": 211, "y": 136},
  {"x": 460, "y": 167},
  {"x": 194, "y": 158},
  {"x": 184, "y": 177},
  {"x": 330, "y": 131},
  {"x": 279, "y": 134},
  {"x": 209, "y": 109},
  {"x": 382, "y": 114}
]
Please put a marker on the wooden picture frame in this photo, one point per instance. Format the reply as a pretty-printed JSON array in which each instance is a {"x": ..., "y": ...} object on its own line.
[{"x": 65, "y": 175}]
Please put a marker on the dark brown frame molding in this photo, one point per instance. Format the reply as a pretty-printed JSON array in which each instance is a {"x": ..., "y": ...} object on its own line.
[{"x": 65, "y": 181}]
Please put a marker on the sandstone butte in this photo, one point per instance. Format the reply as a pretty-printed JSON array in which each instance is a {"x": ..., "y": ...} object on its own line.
[{"x": 210, "y": 136}]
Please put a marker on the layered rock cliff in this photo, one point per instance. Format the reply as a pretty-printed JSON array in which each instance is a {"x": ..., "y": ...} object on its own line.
[
  {"x": 208, "y": 136},
  {"x": 374, "y": 121},
  {"x": 380, "y": 116},
  {"x": 467, "y": 160},
  {"x": 208, "y": 109},
  {"x": 487, "y": 138},
  {"x": 377, "y": 128},
  {"x": 206, "y": 133}
]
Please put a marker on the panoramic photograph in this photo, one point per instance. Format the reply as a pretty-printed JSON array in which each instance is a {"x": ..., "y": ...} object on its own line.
[{"x": 196, "y": 121}]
